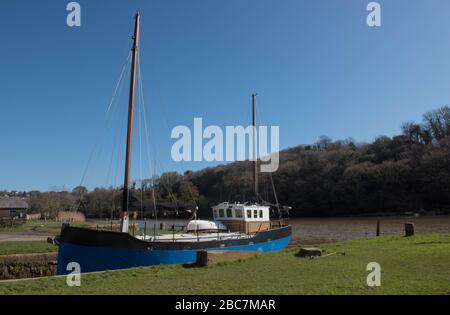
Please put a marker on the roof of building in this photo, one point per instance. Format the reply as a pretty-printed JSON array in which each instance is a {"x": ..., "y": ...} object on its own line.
[{"x": 13, "y": 203}]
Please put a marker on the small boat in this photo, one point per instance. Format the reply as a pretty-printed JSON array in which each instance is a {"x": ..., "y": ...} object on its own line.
[{"x": 236, "y": 226}]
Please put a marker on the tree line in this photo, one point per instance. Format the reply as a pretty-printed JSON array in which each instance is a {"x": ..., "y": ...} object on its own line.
[{"x": 406, "y": 172}]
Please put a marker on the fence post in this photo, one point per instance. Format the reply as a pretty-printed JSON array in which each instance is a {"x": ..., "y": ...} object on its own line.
[
  {"x": 173, "y": 232},
  {"x": 409, "y": 229}
]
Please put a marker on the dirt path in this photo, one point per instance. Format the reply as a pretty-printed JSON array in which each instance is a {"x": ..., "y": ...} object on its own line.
[{"x": 22, "y": 236}]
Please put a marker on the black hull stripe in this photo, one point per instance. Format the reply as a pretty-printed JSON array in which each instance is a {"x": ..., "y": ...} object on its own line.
[{"x": 109, "y": 239}]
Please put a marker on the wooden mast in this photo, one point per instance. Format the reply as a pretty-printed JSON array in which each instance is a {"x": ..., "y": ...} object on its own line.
[
  {"x": 126, "y": 183},
  {"x": 255, "y": 158}
]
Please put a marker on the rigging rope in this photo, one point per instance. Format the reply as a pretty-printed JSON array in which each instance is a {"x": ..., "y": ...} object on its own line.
[
  {"x": 119, "y": 131},
  {"x": 102, "y": 129},
  {"x": 117, "y": 153},
  {"x": 141, "y": 95},
  {"x": 140, "y": 151},
  {"x": 156, "y": 156},
  {"x": 106, "y": 119}
]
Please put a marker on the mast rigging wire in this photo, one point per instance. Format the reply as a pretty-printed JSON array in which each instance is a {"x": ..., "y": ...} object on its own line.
[
  {"x": 103, "y": 127},
  {"x": 141, "y": 95}
]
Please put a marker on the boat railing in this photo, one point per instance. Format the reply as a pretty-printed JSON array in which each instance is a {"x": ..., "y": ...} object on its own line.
[
  {"x": 238, "y": 227},
  {"x": 199, "y": 238},
  {"x": 279, "y": 223}
]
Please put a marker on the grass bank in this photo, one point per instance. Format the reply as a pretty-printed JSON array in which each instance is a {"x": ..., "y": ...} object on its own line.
[
  {"x": 415, "y": 265},
  {"x": 51, "y": 227},
  {"x": 44, "y": 226},
  {"x": 7, "y": 248}
]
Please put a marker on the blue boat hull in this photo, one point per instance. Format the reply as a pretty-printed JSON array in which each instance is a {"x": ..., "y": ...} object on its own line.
[
  {"x": 96, "y": 259},
  {"x": 97, "y": 253}
]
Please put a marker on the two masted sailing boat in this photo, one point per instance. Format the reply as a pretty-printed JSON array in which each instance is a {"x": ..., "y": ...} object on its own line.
[{"x": 236, "y": 226}]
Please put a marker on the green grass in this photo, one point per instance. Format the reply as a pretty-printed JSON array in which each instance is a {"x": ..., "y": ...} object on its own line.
[
  {"x": 415, "y": 265},
  {"x": 53, "y": 227},
  {"x": 45, "y": 227},
  {"x": 7, "y": 248}
]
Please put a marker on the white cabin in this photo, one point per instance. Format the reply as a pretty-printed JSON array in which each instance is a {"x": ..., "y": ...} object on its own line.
[{"x": 239, "y": 217}]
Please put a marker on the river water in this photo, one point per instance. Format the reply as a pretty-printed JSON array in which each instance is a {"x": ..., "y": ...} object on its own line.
[{"x": 316, "y": 230}]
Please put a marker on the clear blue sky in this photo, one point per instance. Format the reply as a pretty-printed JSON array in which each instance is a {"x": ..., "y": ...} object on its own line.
[{"x": 316, "y": 65}]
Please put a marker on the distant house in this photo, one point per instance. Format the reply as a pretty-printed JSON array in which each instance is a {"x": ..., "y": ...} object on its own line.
[{"x": 13, "y": 207}]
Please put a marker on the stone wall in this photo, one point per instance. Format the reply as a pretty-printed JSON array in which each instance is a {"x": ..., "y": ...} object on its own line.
[{"x": 27, "y": 265}]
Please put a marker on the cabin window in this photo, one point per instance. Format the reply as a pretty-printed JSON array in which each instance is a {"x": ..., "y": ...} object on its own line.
[
  {"x": 229, "y": 213},
  {"x": 249, "y": 214},
  {"x": 255, "y": 214},
  {"x": 238, "y": 213},
  {"x": 260, "y": 214},
  {"x": 215, "y": 213},
  {"x": 221, "y": 213}
]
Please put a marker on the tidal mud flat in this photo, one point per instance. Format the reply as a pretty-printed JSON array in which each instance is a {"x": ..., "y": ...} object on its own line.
[
  {"x": 309, "y": 230},
  {"x": 321, "y": 230}
]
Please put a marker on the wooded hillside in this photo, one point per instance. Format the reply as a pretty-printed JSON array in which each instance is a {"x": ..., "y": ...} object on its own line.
[{"x": 408, "y": 172}]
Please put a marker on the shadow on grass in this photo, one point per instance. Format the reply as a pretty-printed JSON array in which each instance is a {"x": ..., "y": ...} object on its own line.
[{"x": 192, "y": 265}]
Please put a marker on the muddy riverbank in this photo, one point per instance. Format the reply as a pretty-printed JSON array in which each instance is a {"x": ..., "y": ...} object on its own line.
[
  {"x": 308, "y": 230},
  {"x": 319, "y": 230}
]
